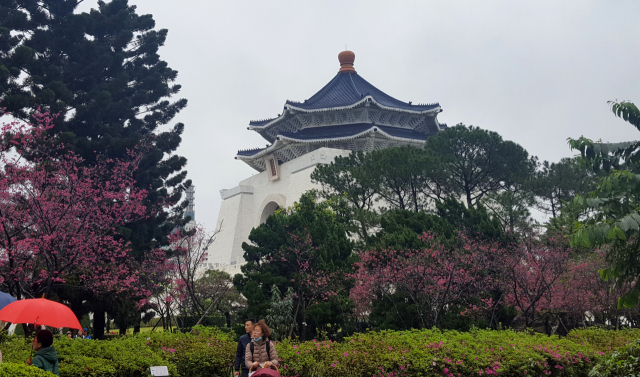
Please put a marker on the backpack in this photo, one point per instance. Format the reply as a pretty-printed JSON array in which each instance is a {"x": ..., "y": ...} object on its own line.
[{"x": 252, "y": 347}]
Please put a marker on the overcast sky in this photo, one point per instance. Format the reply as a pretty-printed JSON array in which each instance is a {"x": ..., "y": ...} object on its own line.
[{"x": 536, "y": 72}]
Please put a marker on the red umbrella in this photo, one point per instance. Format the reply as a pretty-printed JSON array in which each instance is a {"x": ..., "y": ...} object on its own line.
[{"x": 40, "y": 311}]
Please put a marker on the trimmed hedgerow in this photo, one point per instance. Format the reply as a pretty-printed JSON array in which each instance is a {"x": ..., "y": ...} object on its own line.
[
  {"x": 439, "y": 353},
  {"x": 21, "y": 370},
  {"x": 206, "y": 352},
  {"x": 621, "y": 363},
  {"x": 606, "y": 341},
  {"x": 118, "y": 358},
  {"x": 210, "y": 352}
]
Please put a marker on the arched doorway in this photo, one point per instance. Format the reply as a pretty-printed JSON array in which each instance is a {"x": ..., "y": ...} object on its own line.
[
  {"x": 268, "y": 210},
  {"x": 269, "y": 205}
]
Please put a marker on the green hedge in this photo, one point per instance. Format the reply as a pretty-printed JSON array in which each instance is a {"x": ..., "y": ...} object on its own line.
[
  {"x": 210, "y": 352},
  {"x": 206, "y": 353},
  {"x": 438, "y": 353},
  {"x": 21, "y": 370},
  {"x": 624, "y": 362}
]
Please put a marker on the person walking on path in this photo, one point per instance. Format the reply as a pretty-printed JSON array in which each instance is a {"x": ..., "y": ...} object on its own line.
[
  {"x": 260, "y": 351},
  {"x": 46, "y": 357},
  {"x": 242, "y": 346}
]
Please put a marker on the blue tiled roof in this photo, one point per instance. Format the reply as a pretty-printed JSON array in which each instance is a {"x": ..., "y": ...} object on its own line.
[
  {"x": 348, "y": 88},
  {"x": 349, "y": 130},
  {"x": 260, "y": 122},
  {"x": 250, "y": 152}
]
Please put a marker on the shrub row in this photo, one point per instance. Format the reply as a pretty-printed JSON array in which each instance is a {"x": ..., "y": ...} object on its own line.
[
  {"x": 210, "y": 352},
  {"x": 451, "y": 353},
  {"x": 21, "y": 370},
  {"x": 207, "y": 353}
]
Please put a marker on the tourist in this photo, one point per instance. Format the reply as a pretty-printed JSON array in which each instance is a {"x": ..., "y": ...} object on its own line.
[
  {"x": 242, "y": 346},
  {"x": 260, "y": 351},
  {"x": 82, "y": 334},
  {"x": 46, "y": 357},
  {"x": 70, "y": 334}
]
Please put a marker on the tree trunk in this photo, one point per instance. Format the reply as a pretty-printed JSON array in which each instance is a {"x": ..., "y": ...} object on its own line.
[
  {"x": 136, "y": 326},
  {"x": 295, "y": 318},
  {"x": 98, "y": 323},
  {"x": 304, "y": 323},
  {"x": 28, "y": 329},
  {"x": 76, "y": 308},
  {"x": 108, "y": 325}
]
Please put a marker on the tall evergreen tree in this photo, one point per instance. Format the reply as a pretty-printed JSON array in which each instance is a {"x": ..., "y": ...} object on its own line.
[
  {"x": 101, "y": 72},
  {"x": 305, "y": 248},
  {"x": 558, "y": 182},
  {"x": 352, "y": 179},
  {"x": 472, "y": 163}
]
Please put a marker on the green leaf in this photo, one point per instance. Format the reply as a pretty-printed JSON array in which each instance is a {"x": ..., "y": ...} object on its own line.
[
  {"x": 630, "y": 299},
  {"x": 617, "y": 233},
  {"x": 631, "y": 221}
]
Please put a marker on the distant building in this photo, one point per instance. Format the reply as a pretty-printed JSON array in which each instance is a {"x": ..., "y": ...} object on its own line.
[
  {"x": 190, "y": 211},
  {"x": 347, "y": 114}
]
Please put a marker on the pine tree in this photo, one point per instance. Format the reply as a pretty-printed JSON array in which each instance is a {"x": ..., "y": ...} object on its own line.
[
  {"x": 101, "y": 72},
  {"x": 304, "y": 247}
]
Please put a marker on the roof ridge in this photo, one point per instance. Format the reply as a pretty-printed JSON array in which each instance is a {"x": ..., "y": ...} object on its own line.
[{"x": 354, "y": 84}]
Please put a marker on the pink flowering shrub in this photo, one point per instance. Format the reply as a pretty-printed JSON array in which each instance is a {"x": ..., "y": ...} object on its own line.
[
  {"x": 211, "y": 352},
  {"x": 204, "y": 352},
  {"x": 446, "y": 353}
]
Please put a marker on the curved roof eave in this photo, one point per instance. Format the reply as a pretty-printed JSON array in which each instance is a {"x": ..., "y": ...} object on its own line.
[
  {"x": 281, "y": 139},
  {"x": 289, "y": 106},
  {"x": 261, "y": 153},
  {"x": 373, "y": 128}
]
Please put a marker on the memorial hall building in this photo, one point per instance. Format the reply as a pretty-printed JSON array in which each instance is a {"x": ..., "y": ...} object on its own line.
[{"x": 347, "y": 114}]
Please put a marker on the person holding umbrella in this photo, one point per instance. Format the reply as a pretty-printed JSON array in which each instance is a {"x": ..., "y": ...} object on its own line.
[
  {"x": 46, "y": 357},
  {"x": 41, "y": 311}
]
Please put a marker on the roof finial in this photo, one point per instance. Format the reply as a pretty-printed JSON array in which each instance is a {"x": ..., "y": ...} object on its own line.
[{"x": 346, "y": 59}]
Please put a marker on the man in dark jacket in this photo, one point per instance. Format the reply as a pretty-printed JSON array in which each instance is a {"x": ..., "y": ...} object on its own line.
[
  {"x": 242, "y": 347},
  {"x": 46, "y": 357}
]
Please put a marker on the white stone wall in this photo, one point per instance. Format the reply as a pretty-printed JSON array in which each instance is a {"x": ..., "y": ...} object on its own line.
[{"x": 243, "y": 205}]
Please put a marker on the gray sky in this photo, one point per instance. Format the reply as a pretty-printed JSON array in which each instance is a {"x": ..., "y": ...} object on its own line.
[{"x": 536, "y": 72}]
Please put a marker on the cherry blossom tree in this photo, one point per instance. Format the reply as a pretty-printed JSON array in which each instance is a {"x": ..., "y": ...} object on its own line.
[
  {"x": 531, "y": 273},
  {"x": 436, "y": 278},
  {"x": 189, "y": 249},
  {"x": 60, "y": 218},
  {"x": 587, "y": 298},
  {"x": 312, "y": 280},
  {"x": 194, "y": 292}
]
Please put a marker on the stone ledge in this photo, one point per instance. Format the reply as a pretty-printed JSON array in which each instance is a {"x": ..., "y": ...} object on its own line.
[{"x": 229, "y": 193}]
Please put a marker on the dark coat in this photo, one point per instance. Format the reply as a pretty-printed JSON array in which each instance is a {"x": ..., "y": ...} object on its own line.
[
  {"x": 242, "y": 347},
  {"x": 47, "y": 360}
]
